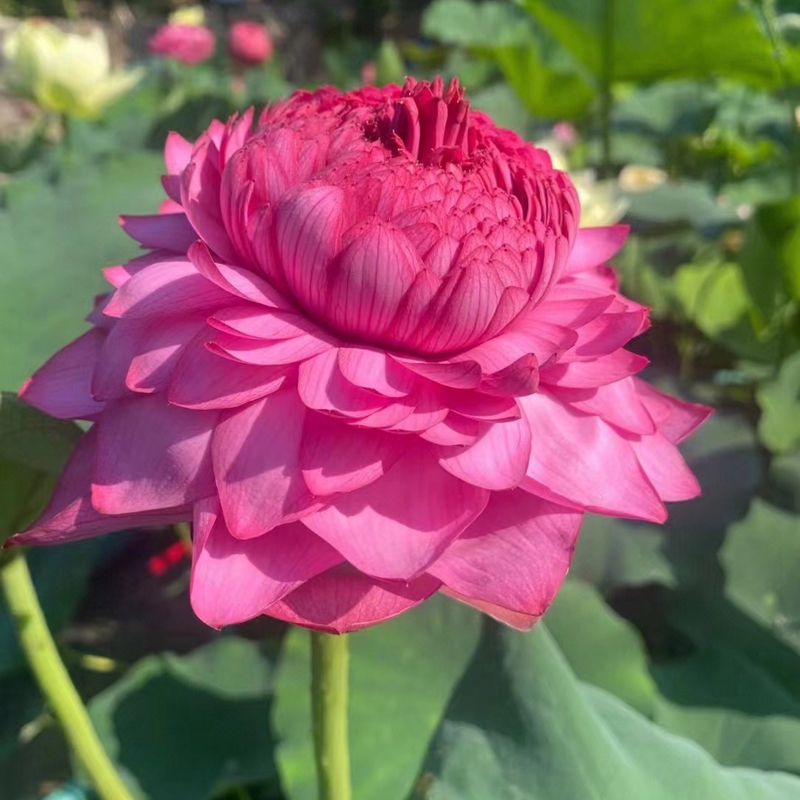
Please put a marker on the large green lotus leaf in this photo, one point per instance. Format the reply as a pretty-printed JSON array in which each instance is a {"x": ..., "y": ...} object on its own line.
[
  {"x": 784, "y": 481},
  {"x": 542, "y": 74},
  {"x": 712, "y": 622},
  {"x": 501, "y": 103},
  {"x": 725, "y": 457},
  {"x": 21, "y": 703},
  {"x": 402, "y": 675},
  {"x": 717, "y": 696},
  {"x": 475, "y": 25},
  {"x": 732, "y": 708},
  {"x": 713, "y": 295},
  {"x": 602, "y": 648},
  {"x": 552, "y": 92},
  {"x": 656, "y": 39},
  {"x": 771, "y": 257},
  {"x": 190, "y": 727},
  {"x": 690, "y": 202},
  {"x": 56, "y": 238},
  {"x": 761, "y": 558},
  {"x": 521, "y": 727},
  {"x": 616, "y": 552},
  {"x": 668, "y": 109},
  {"x": 779, "y": 426}
]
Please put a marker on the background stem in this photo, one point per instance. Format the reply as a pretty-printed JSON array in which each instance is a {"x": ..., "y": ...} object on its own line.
[
  {"x": 607, "y": 82},
  {"x": 329, "y": 678},
  {"x": 54, "y": 680}
]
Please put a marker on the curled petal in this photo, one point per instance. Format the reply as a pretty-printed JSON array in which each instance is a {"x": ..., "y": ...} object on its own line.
[
  {"x": 594, "y": 246},
  {"x": 166, "y": 231}
]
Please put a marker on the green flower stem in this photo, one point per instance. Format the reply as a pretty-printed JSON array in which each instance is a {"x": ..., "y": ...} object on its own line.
[
  {"x": 329, "y": 678},
  {"x": 606, "y": 86},
  {"x": 53, "y": 679}
]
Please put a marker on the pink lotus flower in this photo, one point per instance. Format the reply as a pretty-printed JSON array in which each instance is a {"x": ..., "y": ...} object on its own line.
[
  {"x": 189, "y": 44},
  {"x": 372, "y": 358},
  {"x": 249, "y": 43}
]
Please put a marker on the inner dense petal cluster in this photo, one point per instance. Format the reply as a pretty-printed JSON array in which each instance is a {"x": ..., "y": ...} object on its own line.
[{"x": 371, "y": 355}]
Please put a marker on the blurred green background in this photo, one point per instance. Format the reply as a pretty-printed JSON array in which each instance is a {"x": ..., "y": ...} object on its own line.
[{"x": 671, "y": 662}]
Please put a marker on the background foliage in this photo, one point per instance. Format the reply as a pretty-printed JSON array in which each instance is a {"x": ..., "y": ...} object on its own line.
[{"x": 669, "y": 665}]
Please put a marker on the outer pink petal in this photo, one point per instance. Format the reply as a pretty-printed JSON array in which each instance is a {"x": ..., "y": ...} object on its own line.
[
  {"x": 160, "y": 231},
  {"x": 395, "y": 527},
  {"x": 665, "y": 467},
  {"x": 151, "y": 455},
  {"x": 177, "y": 153},
  {"x": 618, "y": 403},
  {"x": 234, "y": 580},
  {"x": 342, "y": 600},
  {"x": 200, "y": 191},
  {"x": 62, "y": 386},
  {"x": 256, "y": 452},
  {"x": 203, "y": 380},
  {"x": 237, "y": 281},
  {"x": 607, "y": 333},
  {"x": 166, "y": 288},
  {"x": 273, "y": 353},
  {"x": 594, "y": 246},
  {"x": 580, "y": 461},
  {"x": 498, "y": 460},
  {"x": 140, "y": 354},
  {"x": 70, "y": 516},
  {"x": 676, "y": 419},
  {"x": 588, "y": 374},
  {"x": 515, "y": 555},
  {"x": 336, "y": 457}
]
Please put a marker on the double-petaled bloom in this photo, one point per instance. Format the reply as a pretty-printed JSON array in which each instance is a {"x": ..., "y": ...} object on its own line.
[{"x": 371, "y": 355}]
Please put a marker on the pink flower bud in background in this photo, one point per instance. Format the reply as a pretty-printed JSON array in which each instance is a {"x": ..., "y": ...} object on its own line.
[
  {"x": 249, "y": 43},
  {"x": 372, "y": 357},
  {"x": 564, "y": 134},
  {"x": 369, "y": 73},
  {"x": 189, "y": 44}
]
